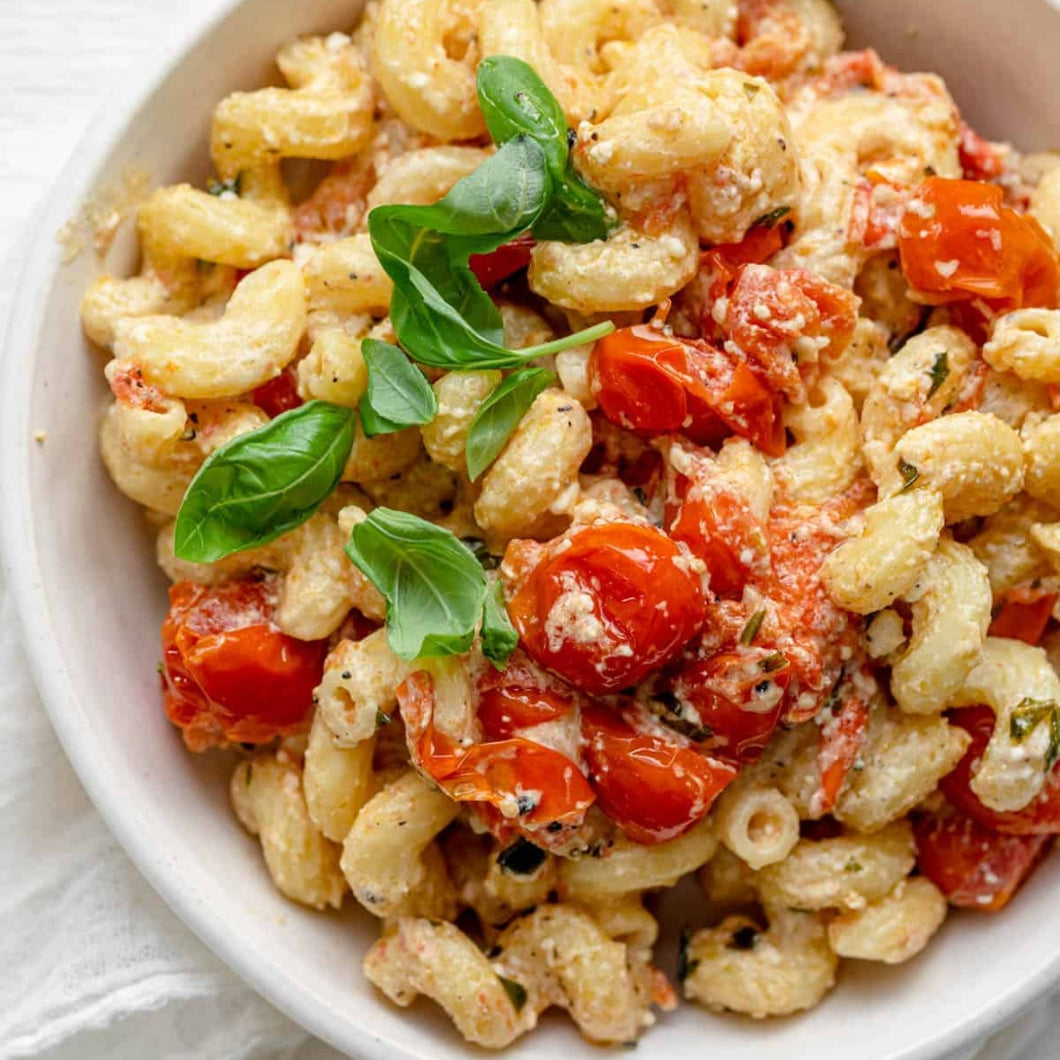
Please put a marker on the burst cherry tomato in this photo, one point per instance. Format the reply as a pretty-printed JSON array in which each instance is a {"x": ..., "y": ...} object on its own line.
[
  {"x": 738, "y": 697},
  {"x": 957, "y": 241},
  {"x": 1041, "y": 817},
  {"x": 279, "y": 394},
  {"x": 772, "y": 312},
  {"x": 495, "y": 267},
  {"x": 605, "y": 605},
  {"x": 652, "y": 788},
  {"x": 1024, "y": 615},
  {"x": 228, "y": 673},
  {"x": 530, "y": 785},
  {"x": 973, "y": 866},
  {"x": 842, "y": 737},
  {"x": 980, "y": 159},
  {"x": 654, "y": 383},
  {"x": 519, "y": 697}
]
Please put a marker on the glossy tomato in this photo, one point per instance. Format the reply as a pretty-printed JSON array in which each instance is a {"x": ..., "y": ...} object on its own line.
[
  {"x": 1041, "y": 817},
  {"x": 495, "y": 267},
  {"x": 653, "y": 383},
  {"x": 519, "y": 697},
  {"x": 737, "y": 696},
  {"x": 957, "y": 241},
  {"x": 974, "y": 867},
  {"x": 653, "y": 789},
  {"x": 228, "y": 673},
  {"x": 980, "y": 159},
  {"x": 842, "y": 738},
  {"x": 1024, "y": 615},
  {"x": 528, "y": 784},
  {"x": 279, "y": 394},
  {"x": 606, "y": 605}
]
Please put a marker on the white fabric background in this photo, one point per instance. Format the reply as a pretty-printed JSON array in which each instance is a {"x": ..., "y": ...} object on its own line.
[{"x": 92, "y": 965}]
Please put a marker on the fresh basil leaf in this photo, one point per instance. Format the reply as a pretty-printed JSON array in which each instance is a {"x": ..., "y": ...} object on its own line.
[
  {"x": 500, "y": 414},
  {"x": 515, "y": 101},
  {"x": 499, "y": 638},
  {"x": 432, "y": 582},
  {"x": 265, "y": 483},
  {"x": 398, "y": 395}
]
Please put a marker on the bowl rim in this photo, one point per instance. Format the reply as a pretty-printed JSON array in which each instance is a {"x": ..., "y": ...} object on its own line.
[{"x": 19, "y": 556}]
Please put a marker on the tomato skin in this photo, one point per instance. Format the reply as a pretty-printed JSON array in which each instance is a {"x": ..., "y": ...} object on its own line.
[
  {"x": 630, "y": 588},
  {"x": 495, "y": 773},
  {"x": 842, "y": 738},
  {"x": 769, "y": 308},
  {"x": 1024, "y": 615},
  {"x": 1041, "y": 817},
  {"x": 518, "y": 698},
  {"x": 974, "y": 867},
  {"x": 999, "y": 255},
  {"x": 495, "y": 267},
  {"x": 653, "y": 383},
  {"x": 653, "y": 789},
  {"x": 722, "y": 689},
  {"x": 980, "y": 159},
  {"x": 229, "y": 675},
  {"x": 279, "y": 394}
]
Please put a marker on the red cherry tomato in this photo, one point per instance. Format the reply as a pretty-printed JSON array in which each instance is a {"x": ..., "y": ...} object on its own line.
[
  {"x": 279, "y": 394},
  {"x": 654, "y": 383},
  {"x": 519, "y": 697},
  {"x": 714, "y": 518},
  {"x": 842, "y": 737},
  {"x": 530, "y": 785},
  {"x": 738, "y": 696},
  {"x": 974, "y": 867},
  {"x": 980, "y": 159},
  {"x": 1041, "y": 817},
  {"x": 957, "y": 241},
  {"x": 495, "y": 267},
  {"x": 337, "y": 202},
  {"x": 652, "y": 788},
  {"x": 228, "y": 673},
  {"x": 770, "y": 310},
  {"x": 1024, "y": 615},
  {"x": 606, "y": 605}
]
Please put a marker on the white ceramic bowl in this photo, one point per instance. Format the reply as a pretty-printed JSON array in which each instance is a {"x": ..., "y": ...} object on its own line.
[{"x": 91, "y": 599}]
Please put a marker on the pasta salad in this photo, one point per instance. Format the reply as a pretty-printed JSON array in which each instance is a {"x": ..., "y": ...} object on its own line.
[{"x": 595, "y": 443}]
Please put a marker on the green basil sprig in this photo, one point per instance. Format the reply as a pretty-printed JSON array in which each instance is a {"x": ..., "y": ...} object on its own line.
[
  {"x": 515, "y": 101},
  {"x": 434, "y": 586},
  {"x": 264, "y": 483},
  {"x": 398, "y": 395},
  {"x": 500, "y": 414}
]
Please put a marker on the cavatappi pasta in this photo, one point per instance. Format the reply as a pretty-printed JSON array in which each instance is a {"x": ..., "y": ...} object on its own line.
[{"x": 658, "y": 478}]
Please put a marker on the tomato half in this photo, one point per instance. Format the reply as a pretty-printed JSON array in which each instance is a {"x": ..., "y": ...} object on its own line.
[
  {"x": 653, "y": 383},
  {"x": 1041, "y": 817},
  {"x": 495, "y": 267},
  {"x": 652, "y": 788},
  {"x": 974, "y": 867},
  {"x": 772, "y": 312},
  {"x": 229, "y": 675},
  {"x": 519, "y": 697},
  {"x": 528, "y": 784},
  {"x": 957, "y": 241},
  {"x": 606, "y": 605},
  {"x": 738, "y": 696},
  {"x": 279, "y": 394}
]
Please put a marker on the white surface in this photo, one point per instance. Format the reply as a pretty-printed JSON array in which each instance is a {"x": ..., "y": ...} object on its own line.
[{"x": 94, "y": 965}]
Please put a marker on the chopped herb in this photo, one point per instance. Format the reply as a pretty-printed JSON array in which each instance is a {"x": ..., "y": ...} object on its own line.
[
  {"x": 222, "y": 187},
  {"x": 382, "y": 719},
  {"x": 853, "y": 865},
  {"x": 751, "y": 89},
  {"x": 685, "y": 965},
  {"x": 1028, "y": 716},
  {"x": 771, "y": 663},
  {"x": 770, "y": 219},
  {"x": 940, "y": 370},
  {"x": 909, "y": 475},
  {"x": 750, "y": 631},
  {"x": 522, "y": 858},
  {"x": 516, "y": 992}
]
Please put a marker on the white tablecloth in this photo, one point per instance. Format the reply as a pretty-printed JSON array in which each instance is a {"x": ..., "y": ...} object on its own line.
[{"x": 94, "y": 966}]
